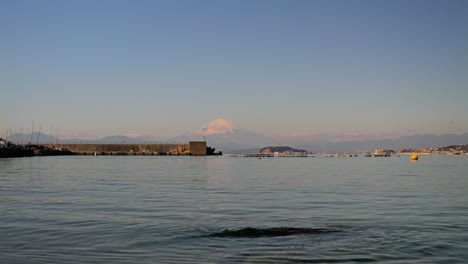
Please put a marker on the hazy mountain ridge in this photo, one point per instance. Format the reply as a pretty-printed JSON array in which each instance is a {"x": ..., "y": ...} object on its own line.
[
  {"x": 413, "y": 141},
  {"x": 225, "y": 135},
  {"x": 42, "y": 138}
]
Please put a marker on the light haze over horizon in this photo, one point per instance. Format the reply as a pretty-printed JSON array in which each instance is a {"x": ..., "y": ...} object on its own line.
[{"x": 281, "y": 68}]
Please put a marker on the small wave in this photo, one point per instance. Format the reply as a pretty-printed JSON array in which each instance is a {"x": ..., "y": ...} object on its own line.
[{"x": 272, "y": 232}]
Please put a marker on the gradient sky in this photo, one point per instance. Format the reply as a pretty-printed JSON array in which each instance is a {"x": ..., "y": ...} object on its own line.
[{"x": 292, "y": 67}]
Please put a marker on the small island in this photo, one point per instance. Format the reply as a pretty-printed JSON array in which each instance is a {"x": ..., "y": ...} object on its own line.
[
  {"x": 282, "y": 151},
  {"x": 276, "y": 151}
]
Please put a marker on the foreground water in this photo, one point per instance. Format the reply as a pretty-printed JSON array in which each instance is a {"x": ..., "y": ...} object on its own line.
[{"x": 165, "y": 209}]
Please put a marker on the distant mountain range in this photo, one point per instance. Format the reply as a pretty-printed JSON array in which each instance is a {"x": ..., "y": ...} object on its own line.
[
  {"x": 229, "y": 137},
  {"x": 42, "y": 138},
  {"x": 225, "y": 135},
  {"x": 414, "y": 141}
]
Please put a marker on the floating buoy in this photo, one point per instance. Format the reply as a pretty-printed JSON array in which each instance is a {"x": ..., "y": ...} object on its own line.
[{"x": 414, "y": 157}]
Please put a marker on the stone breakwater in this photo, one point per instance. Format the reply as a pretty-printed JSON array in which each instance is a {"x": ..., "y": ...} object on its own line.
[{"x": 126, "y": 149}]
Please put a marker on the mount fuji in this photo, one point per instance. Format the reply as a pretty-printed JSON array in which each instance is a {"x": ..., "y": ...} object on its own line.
[{"x": 225, "y": 135}]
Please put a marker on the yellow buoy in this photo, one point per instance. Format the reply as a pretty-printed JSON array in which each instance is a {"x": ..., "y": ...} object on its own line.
[{"x": 414, "y": 157}]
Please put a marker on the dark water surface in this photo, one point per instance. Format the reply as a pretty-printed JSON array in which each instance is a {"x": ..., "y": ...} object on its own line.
[{"x": 165, "y": 209}]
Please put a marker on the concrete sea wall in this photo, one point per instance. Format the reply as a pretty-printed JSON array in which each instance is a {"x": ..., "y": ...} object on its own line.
[{"x": 127, "y": 149}]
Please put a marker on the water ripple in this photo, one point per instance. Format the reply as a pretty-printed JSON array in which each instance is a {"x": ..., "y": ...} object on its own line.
[{"x": 166, "y": 210}]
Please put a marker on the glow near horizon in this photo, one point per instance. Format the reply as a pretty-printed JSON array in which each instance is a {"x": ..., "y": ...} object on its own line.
[{"x": 276, "y": 67}]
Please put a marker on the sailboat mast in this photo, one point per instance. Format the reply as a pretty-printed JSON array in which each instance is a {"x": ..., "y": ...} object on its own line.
[
  {"x": 38, "y": 134},
  {"x": 32, "y": 130}
]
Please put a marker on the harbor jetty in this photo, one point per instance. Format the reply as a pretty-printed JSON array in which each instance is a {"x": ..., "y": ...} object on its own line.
[{"x": 194, "y": 148}]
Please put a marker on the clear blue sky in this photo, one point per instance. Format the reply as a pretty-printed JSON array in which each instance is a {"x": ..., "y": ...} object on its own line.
[{"x": 276, "y": 67}]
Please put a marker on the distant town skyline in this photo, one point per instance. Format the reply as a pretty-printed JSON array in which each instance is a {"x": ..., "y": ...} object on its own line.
[{"x": 280, "y": 68}]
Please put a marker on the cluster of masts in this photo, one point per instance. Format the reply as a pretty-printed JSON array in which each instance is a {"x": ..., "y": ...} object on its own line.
[{"x": 24, "y": 136}]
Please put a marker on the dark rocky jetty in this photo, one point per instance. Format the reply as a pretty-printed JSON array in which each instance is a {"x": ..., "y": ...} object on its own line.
[
  {"x": 55, "y": 152},
  {"x": 250, "y": 232},
  {"x": 15, "y": 152},
  {"x": 211, "y": 152},
  {"x": 11, "y": 150}
]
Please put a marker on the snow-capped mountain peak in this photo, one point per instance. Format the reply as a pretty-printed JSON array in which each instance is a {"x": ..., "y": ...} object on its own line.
[
  {"x": 216, "y": 127},
  {"x": 224, "y": 134}
]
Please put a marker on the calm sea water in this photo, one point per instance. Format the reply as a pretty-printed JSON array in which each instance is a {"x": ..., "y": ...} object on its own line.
[{"x": 163, "y": 209}]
